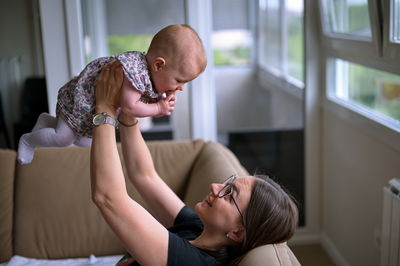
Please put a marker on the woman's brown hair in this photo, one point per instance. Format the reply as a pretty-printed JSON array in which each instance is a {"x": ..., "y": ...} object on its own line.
[{"x": 270, "y": 218}]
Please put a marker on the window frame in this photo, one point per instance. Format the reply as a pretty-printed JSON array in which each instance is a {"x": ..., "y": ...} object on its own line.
[
  {"x": 370, "y": 54},
  {"x": 348, "y": 43},
  {"x": 271, "y": 77},
  {"x": 391, "y": 50}
]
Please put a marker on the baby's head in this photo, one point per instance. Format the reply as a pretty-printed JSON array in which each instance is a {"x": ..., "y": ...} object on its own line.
[{"x": 176, "y": 56}]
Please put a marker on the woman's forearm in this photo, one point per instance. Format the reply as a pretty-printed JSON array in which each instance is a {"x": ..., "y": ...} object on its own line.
[
  {"x": 161, "y": 200},
  {"x": 137, "y": 157},
  {"x": 107, "y": 180}
]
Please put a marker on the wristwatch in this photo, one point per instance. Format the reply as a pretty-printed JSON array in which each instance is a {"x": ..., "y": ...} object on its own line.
[{"x": 104, "y": 118}]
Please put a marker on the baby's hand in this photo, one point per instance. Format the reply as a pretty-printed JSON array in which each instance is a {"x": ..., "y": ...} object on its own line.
[{"x": 166, "y": 105}]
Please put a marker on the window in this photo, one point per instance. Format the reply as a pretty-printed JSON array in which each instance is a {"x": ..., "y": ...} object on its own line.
[
  {"x": 294, "y": 11},
  {"x": 366, "y": 89},
  {"x": 232, "y": 39},
  {"x": 281, "y": 39},
  {"x": 395, "y": 21},
  {"x": 362, "y": 65},
  {"x": 112, "y": 27},
  {"x": 349, "y": 17},
  {"x": 131, "y": 42},
  {"x": 391, "y": 30},
  {"x": 270, "y": 35}
]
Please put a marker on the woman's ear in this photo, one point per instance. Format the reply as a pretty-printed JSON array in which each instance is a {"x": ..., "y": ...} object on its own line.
[
  {"x": 158, "y": 63},
  {"x": 237, "y": 235}
]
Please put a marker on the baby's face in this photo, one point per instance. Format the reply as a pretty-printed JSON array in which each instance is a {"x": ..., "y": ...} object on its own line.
[{"x": 172, "y": 78}]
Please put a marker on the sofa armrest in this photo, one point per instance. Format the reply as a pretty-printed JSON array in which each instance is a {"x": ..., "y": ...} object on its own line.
[{"x": 274, "y": 254}]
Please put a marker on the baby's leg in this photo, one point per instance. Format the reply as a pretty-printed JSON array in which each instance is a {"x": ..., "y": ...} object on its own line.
[
  {"x": 45, "y": 120},
  {"x": 83, "y": 141},
  {"x": 60, "y": 136}
]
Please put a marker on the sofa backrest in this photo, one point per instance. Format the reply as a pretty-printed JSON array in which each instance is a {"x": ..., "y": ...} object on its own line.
[
  {"x": 54, "y": 216},
  {"x": 7, "y": 173},
  {"x": 214, "y": 164}
]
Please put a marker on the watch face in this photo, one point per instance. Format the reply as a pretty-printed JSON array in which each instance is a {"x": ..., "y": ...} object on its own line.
[{"x": 98, "y": 119}]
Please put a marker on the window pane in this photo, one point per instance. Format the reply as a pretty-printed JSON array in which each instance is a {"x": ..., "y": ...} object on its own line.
[
  {"x": 270, "y": 26},
  {"x": 395, "y": 20},
  {"x": 112, "y": 27},
  {"x": 121, "y": 43},
  {"x": 294, "y": 15},
  {"x": 232, "y": 39},
  {"x": 232, "y": 47},
  {"x": 349, "y": 17},
  {"x": 377, "y": 90}
]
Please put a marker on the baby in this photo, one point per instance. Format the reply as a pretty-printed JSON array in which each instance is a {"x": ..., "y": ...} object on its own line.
[{"x": 175, "y": 57}]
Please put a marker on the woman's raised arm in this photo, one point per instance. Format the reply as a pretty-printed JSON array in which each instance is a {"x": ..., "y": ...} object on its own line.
[
  {"x": 163, "y": 202},
  {"x": 142, "y": 235}
]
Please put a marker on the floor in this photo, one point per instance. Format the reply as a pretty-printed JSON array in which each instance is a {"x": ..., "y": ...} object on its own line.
[{"x": 312, "y": 255}]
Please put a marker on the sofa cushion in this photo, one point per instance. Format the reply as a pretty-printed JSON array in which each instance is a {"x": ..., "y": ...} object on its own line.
[
  {"x": 274, "y": 254},
  {"x": 7, "y": 169}
]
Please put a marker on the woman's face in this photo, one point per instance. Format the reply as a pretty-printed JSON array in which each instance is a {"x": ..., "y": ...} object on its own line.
[{"x": 221, "y": 214}]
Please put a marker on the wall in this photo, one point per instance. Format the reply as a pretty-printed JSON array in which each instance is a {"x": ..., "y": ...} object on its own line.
[
  {"x": 355, "y": 168},
  {"x": 241, "y": 102},
  {"x": 287, "y": 110},
  {"x": 20, "y": 38}
]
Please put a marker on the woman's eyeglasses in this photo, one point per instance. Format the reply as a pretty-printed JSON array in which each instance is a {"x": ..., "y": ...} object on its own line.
[{"x": 227, "y": 190}]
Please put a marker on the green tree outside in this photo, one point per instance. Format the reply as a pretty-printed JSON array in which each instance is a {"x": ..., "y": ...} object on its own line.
[{"x": 121, "y": 43}]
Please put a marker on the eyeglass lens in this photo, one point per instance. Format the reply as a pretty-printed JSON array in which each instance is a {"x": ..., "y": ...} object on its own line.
[{"x": 227, "y": 189}]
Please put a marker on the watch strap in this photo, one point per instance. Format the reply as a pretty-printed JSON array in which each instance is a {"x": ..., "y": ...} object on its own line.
[{"x": 110, "y": 120}]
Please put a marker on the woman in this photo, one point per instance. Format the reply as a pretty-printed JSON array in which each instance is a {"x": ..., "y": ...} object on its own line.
[{"x": 236, "y": 216}]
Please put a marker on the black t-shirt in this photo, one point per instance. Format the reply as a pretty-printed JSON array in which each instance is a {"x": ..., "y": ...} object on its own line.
[{"x": 187, "y": 226}]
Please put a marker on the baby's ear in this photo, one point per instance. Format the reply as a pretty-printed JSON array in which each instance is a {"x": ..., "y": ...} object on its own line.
[{"x": 159, "y": 63}]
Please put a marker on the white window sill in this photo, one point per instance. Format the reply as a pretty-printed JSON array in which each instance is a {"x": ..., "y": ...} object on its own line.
[{"x": 274, "y": 82}]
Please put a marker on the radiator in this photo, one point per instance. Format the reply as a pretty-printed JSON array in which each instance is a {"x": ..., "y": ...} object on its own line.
[{"x": 390, "y": 253}]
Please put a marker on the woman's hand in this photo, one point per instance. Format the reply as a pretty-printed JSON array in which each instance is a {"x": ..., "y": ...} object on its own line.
[{"x": 109, "y": 84}]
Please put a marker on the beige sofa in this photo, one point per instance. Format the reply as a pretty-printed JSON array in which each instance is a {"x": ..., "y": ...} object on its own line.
[{"x": 46, "y": 208}]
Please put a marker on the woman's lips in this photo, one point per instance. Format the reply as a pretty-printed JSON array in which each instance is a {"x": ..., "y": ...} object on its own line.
[{"x": 207, "y": 200}]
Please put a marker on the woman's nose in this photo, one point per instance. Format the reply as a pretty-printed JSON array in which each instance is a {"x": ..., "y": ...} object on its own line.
[
  {"x": 180, "y": 88},
  {"x": 215, "y": 188}
]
